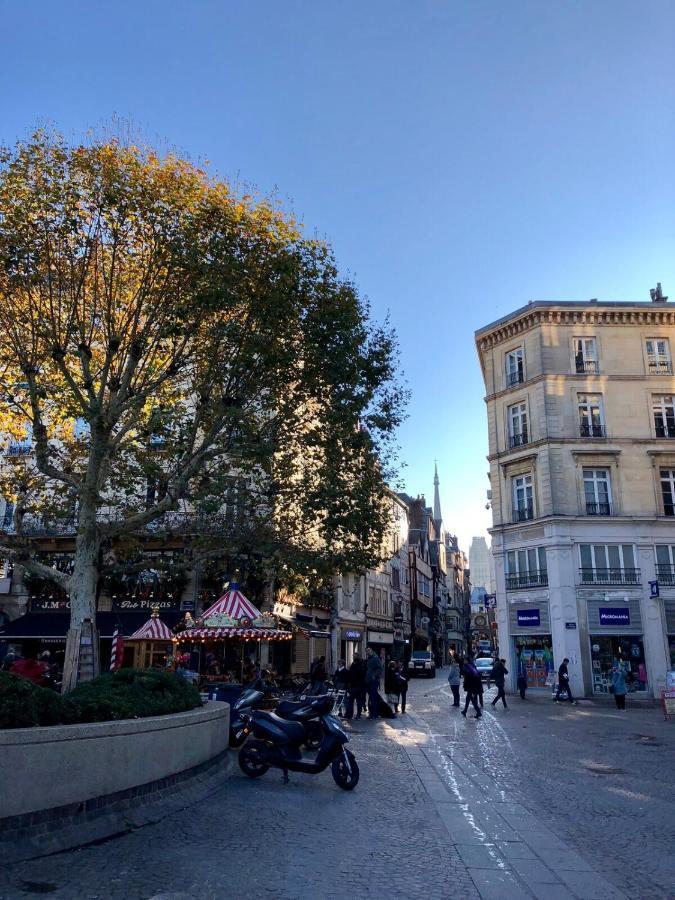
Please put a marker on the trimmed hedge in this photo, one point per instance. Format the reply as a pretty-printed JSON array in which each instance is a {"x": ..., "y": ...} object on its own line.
[{"x": 125, "y": 694}]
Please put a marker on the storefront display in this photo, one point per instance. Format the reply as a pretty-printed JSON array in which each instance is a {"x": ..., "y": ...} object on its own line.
[
  {"x": 608, "y": 651},
  {"x": 534, "y": 659}
]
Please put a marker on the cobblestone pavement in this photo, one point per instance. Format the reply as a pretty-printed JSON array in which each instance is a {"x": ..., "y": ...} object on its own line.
[{"x": 542, "y": 801}]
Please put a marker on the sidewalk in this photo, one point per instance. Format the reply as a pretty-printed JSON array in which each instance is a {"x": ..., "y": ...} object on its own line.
[{"x": 509, "y": 853}]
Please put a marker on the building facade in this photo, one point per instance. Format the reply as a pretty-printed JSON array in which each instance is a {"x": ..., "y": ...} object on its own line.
[
  {"x": 581, "y": 417},
  {"x": 479, "y": 564}
]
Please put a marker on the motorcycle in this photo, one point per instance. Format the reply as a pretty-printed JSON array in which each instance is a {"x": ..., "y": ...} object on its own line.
[
  {"x": 306, "y": 712},
  {"x": 276, "y": 744}
]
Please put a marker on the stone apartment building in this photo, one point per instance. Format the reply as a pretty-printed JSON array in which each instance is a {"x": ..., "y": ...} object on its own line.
[{"x": 581, "y": 414}]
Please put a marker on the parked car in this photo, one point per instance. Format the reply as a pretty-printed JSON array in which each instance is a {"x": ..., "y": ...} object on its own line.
[
  {"x": 484, "y": 665},
  {"x": 422, "y": 662}
]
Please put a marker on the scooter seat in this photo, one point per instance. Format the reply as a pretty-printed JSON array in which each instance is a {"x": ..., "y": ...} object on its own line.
[
  {"x": 294, "y": 731},
  {"x": 289, "y": 706}
]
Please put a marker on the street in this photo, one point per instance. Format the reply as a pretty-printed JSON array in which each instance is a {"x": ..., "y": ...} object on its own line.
[{"x": 540, "y": 801}]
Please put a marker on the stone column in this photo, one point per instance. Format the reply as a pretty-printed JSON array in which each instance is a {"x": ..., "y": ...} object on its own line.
[
  {"x": 654, "y": 631},
  {"x": 568, "y": 642}
]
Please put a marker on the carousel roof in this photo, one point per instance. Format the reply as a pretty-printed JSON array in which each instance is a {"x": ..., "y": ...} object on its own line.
[
  {"x": 153, "y": 630},
  {"x": 247, "y": 634},
  {"x": 234, "y": 604}
]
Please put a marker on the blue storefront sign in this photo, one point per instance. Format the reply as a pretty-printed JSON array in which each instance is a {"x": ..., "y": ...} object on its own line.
[
  {"x": 528, "y": 617},
  {"x": 614, "y": 615}
]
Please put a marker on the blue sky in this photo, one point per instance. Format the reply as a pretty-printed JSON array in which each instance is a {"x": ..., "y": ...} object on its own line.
[{"x": 462, "y": 158}]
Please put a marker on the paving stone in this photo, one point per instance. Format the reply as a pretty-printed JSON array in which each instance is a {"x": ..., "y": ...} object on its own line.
[
  {"x": 480, "y": 856},
  {"x": 534, "y": 870},
  {"x": 496, "y": 885},
  {"x": 515, "y": 850}
]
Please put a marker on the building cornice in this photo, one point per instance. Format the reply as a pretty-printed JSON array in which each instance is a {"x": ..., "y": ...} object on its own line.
[{"x": 589, "y": 313}]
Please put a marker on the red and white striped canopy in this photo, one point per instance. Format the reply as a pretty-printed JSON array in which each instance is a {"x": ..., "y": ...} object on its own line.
[
  {"x": 246, "y": 634},
  {"x": 153, "y": 630},
  {"x": 233, "y": 604}
]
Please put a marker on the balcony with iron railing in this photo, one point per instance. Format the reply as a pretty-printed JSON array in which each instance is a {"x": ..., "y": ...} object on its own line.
[
  {"x": 523, "y": 512},
  {"x": 666, "y": 574},
  {"x": 591, "y": 431},
  {"x": 664, "y": 429},
  {"x": 599, "y": 509},
  {"x": 668, "y": 509},
  {"x": 532, "y": 579},
  {"x": 586, "y": 366},
  {"x": 660, "y": 367},
  {"x": 610, "y": 576},
  {"x": 514, "y": 378},
  {"x": 518, "y": 439}
]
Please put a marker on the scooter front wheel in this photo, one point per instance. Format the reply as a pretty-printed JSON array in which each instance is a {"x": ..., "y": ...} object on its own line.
[
  {"x": 345, "y": 771},
  {"x": 251, "y": 759}
]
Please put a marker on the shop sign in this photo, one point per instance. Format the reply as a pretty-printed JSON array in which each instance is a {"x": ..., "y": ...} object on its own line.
[
  {"x": 614, "y": 615},
  {"x": 145, "y": 603},
  {"x": 398, "y": 617},
  {"x": 380, "y": 637},
  {"x": 571, "y": 626},
  {"x": 187, "y": 605},
  {"x": 46, "y": 604},
  {"x": 352, "y": 634},
  {"x": 654, "y": 589},
  {"x": 528, "y": 617}
]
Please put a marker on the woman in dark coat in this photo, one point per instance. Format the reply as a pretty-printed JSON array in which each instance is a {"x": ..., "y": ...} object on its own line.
[{"x": 392, "y": 687}]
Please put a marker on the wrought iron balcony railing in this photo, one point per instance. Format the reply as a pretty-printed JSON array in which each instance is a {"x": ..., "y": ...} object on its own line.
[
  {"x": 514, "y": 378},
  {"x": 526, "y": 580},
  {"x": 664, "y": 429},
  {"x": 610, "y": 576},
  {"x": 523, "y": 513},
  {"x": 660, "y": 367},
  {"x": 587, "y": 366},
  {"x": 596, "y": 431},
  {"x": 666, "y": 574},
  {"x": 517, "y": 440},
  {"x": 599, "y": 509},
  {"x": 669, "y": 509}
]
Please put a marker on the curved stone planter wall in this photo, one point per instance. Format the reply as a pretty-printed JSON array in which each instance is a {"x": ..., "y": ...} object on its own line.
[{"x": 44, "y": 768}]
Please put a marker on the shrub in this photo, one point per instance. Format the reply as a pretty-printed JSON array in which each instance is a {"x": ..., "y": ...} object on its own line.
[
  {"x": 24, "y": 704},
  {"x": 126, "y": 694},
  {"x": 130, "y": 694}
]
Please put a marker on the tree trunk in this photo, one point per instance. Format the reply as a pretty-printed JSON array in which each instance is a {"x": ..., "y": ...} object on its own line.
[{"x": 82, "y": 657}]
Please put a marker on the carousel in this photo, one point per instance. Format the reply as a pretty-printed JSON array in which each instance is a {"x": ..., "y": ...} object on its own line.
[
  {"x": 235, "y": 624},
  {"x": 152, "y": 642}
]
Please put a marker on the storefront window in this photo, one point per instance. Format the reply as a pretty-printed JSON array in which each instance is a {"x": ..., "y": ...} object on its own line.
[
  {"x": 534, "y": 659},
  {"x": 608, "y": 651}
]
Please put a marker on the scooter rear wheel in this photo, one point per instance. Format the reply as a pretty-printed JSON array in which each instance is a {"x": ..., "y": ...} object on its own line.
[
  {"x": 342, "y": 776},
  {"x": 251, "y": 759}
]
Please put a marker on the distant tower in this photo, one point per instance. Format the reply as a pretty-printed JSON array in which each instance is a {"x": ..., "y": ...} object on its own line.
[{"x": 437, "y": 496}]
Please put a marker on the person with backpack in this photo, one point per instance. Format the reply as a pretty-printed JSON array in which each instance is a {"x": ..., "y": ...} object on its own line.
[
  {"x": 454, "y": 678},
  {"x": 498, "y": 674},
  {"x": 472, "y": 686},
  {"x": 392, "y": 687},
  {"x": 357, "y": 687}
]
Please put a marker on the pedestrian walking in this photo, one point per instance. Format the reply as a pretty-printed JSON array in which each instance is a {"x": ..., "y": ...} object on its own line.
[
  {"x": 498, "y": 674},
  {"x": 522, "y": 684},
  {"x": 564, "y": 682},
  {"x": 341, "y": 676},
  {"x": 373, "y": 678},
  {"x": 357, "y": 686},
  {"x": 618, "y": 686},
  {"x": 317, "y": 676},
  {"x": 454, "y": 678},
  {"x": 402, "y": 684},
  {"x": 392, "y": 687},
  {"x": 472, "y": 685}
]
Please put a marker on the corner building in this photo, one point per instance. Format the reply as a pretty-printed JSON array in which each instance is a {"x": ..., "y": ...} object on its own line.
[{"x": 581, "y": 417}]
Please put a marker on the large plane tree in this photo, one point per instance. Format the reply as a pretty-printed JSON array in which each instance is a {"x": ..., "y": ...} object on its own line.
[{"x": 158, "y": 329}]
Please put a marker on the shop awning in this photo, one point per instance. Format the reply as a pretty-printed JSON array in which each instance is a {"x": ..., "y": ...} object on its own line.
[{"x": 54, "y": 625}]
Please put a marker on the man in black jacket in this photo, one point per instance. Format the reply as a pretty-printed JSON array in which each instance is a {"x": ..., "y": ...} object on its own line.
[
  {"x": 357, "y": 687},
  {"x": 564, "y": 682},
  {"x": 499, "y": 672}
]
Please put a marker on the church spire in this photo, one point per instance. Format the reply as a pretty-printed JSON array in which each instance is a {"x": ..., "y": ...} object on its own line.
[{"x": 437, "y": 496}]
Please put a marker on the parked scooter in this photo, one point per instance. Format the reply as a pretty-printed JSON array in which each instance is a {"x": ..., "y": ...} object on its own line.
[
  {"x": 306, "y": 712},
  {"x": 276, "y": 744}
]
